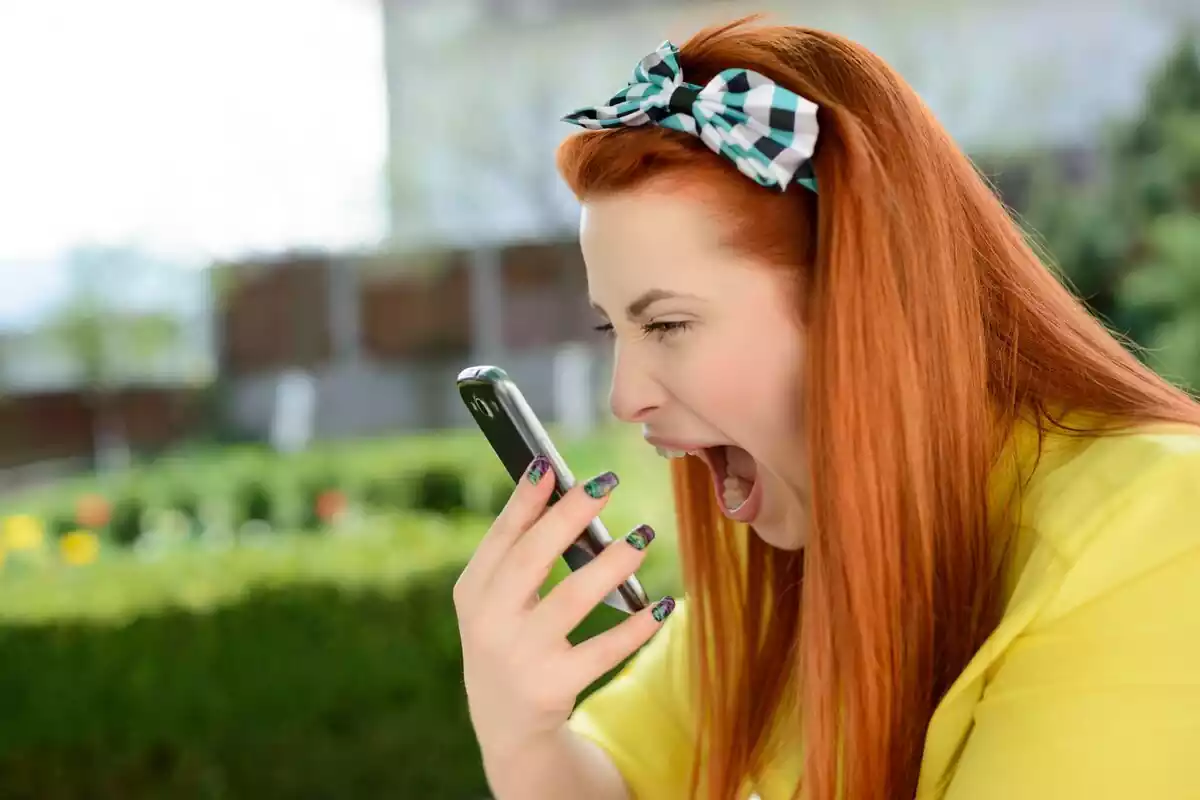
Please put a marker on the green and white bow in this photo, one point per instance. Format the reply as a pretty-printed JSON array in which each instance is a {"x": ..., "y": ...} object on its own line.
[{"x": 767, "y": 131}]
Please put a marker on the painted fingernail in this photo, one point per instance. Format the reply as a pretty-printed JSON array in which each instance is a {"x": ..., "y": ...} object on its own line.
[
  {"x": 601, "y": 485},
  {"x": 537, "y": 469},
  {"x": 640, "y": 537},
  {"x": 662, "y": 609}
]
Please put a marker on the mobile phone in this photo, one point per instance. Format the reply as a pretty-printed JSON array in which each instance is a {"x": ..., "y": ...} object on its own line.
[{"x": 517, "y": 437}]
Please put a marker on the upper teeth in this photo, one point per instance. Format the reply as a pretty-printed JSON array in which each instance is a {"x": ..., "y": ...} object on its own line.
[{"x": 665, "y": 453}]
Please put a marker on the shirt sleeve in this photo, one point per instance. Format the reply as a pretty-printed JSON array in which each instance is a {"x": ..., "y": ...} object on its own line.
[
  {"x": 1100, "y": 698},
  {"x": 643, "y": 719}
]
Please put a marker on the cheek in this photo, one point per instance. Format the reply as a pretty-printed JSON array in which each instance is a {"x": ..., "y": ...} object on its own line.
[
  {"x": 720, "y": 380},
  {"x": 761, "y": 386},
  {"x": 744, "y": 383}
]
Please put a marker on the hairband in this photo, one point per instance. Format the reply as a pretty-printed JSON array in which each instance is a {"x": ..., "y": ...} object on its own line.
[{"x": 767, "y": 131}]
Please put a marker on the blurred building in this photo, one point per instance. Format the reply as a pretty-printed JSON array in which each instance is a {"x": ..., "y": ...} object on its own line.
[
  {"x": 481, "y": 263},
  {"x": 476, "y": 88},
  {"x": 119, "y": 360},
  {"x": 383, "y": 336}
]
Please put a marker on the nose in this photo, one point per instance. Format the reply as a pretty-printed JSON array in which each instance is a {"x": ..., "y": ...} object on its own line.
[{"x": 635, "y": 393}]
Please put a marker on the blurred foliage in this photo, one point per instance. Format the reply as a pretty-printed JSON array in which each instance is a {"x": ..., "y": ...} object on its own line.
[
  {"x": 287, "y": 666},
  {"x": 449, "y": 472},
  {"x": 297, "y": 691},
  {"x": 104, "y": 340},
  {"x": 125, "y": 526},
  {"x": 255, "y": 503},
  {"x": 1128, "y": 238},
  {"x": 102, "y": 336},
  {"x": 440, "y": 490}
]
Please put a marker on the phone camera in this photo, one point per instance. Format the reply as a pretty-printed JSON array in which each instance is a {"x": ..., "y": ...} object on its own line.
[{"x": 480, "y": 405}]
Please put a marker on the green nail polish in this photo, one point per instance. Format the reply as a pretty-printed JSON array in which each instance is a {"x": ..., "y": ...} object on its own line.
[
  {"x": 537, "y": 469},
  {"x": 663, "y": 608},
  {"x": 601, "y": 485},
  {"x": 640, "y": 537}
]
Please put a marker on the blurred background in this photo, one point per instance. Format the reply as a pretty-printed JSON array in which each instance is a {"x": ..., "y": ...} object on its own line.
[{"x": 247, "y": 245}]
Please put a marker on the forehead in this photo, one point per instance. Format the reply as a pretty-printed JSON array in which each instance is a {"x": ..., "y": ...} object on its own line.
[{"x": 662, "y": 232}]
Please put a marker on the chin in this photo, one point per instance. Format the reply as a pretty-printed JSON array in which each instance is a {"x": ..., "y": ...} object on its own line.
[{"x": 781, "y": 537}]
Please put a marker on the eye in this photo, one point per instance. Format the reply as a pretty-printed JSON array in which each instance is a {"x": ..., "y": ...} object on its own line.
[
  {"x": 663, "y": 330},
  {"x": 659, "y": 330}
]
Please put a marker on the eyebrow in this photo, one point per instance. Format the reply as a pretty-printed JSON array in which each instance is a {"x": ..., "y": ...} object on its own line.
[{"x": 648, "y": 298}]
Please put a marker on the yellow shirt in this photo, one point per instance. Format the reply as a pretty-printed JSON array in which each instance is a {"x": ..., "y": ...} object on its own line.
[{"x": 1088, "y": 688}]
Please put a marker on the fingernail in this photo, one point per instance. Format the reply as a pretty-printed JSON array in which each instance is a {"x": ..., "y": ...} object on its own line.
[
  {"x": 601, "y": 485},
  {"x": 640, "y": 537},
  {"x": 537, "y": 468},
  {"x": 663, "y": 608}
]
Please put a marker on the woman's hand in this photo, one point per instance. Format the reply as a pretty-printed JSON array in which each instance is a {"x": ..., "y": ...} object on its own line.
[{"x": 522, "y": 674}]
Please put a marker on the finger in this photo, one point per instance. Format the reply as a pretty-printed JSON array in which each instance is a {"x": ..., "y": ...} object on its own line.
[
  {"x": 581, "y": 591},
  {"x": 531, "y": 602},
  {"x": 526, "y": 503},
  {"x": 596, "y": 656},
  {"x": 526, "y": 565}
]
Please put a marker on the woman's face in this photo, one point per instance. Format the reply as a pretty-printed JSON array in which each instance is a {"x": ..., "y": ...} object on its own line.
[{"x": 708, "y": 350}]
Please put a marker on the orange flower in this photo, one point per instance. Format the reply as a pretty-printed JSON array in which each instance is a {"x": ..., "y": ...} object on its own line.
[
  {"x": 330, "y": 503},
  {"x": 93, "y": 511}
]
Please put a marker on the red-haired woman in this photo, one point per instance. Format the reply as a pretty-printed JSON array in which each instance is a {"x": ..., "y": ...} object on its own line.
[{"x": 940, "y": 531}]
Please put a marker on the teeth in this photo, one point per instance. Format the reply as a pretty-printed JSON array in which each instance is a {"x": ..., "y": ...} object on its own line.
[
  {"x": 735, "y": 493},
  {"x": 665, "y": 453}
]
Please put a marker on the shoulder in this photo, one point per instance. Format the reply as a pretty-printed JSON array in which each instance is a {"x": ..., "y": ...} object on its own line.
[
  {"x": 1116, "y": 506},
  {"x": 1090, "y": 684}
]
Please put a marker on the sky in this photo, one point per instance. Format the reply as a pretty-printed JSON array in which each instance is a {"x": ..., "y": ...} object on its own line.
[{"x": 192, "y": 129}]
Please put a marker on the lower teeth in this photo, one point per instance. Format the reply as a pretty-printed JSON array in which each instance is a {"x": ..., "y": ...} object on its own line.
[{"x": 734, "y": 494}]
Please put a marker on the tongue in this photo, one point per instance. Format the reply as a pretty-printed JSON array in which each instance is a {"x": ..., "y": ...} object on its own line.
[{"x": 739, "y": 464}]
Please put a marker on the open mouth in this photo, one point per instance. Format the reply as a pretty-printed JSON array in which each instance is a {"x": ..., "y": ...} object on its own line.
[
  {"x": 735, "y": 481},
  {"x": 735, "y": 477}
]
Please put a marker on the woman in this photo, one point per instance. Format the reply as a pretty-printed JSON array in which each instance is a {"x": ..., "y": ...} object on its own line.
[{"x": 940, "y": 532}]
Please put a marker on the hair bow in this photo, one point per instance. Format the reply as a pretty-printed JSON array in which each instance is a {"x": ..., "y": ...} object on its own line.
[{"x": 767, "y": 131}]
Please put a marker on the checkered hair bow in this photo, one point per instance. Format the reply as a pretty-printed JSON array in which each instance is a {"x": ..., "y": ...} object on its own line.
[{"x": 767, "y": 131}]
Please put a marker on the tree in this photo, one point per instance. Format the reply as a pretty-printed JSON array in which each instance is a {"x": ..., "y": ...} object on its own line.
[
  {"x": 106, "y": 338},
  {"x": 1129, "y": 241},
  {"x": 1158, "y": 161}
]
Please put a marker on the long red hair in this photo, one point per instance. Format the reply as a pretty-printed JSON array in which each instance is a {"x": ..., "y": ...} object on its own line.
[{"x": 931, "y": 325}]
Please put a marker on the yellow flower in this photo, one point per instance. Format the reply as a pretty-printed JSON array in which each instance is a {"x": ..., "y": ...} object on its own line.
[
  {"x": 79, "y": 547},
  {"x": 23, "y": 532}
]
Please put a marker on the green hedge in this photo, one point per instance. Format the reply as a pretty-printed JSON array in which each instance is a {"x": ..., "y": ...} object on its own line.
[
  {"x": 304, "y": 691},
  {"x": 449, "y": 473},
  {"x": 292, "y": 666}
]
